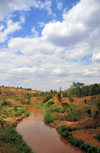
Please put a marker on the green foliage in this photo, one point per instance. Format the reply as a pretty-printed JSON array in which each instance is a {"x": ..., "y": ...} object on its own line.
[
  {"x": 47, "y": 117},
  {"x": 2, "y": 122},
  {"x": 98, "y": 105},
  {"x": 79, "y": 89},
  {"x": 47, "y": 98},
  {"x": 96, "y": 115},
  {"x": 50, "y": 103},
  {"x": 57, "y": 109},
  {"x": 27, "y": 113},
  {"x": 8, "y": 135},
  {"x": 59, "y": 96},
  {"x": 70, "y": 98},
  {"x": 98, "y": 136},
  {"x": 35, "y": 94},
  {"x": 65, "y": 94},
  {"x": 66, "y": 132},
  {"x": 5, "y": 103},
  {"x": 13, "y": 112},
  {"x": 64, "y": 104},
  {"x": 74, "y": 115},
  {"x": 89, "y": 112}
]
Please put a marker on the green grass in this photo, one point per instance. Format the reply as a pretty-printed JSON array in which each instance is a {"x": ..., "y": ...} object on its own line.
[
  {"x": 12, "y": 142},
  {"x": 66, "y": 132},
  {"x": 47, "y": 116}
]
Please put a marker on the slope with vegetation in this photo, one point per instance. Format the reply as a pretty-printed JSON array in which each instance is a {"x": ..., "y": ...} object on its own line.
[{"x": 75, "y": 113}]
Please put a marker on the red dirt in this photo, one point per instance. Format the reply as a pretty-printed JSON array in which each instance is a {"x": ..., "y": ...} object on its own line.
[
  {"x": 87, "y": 136},
  {"x": 56, "y": 101}
]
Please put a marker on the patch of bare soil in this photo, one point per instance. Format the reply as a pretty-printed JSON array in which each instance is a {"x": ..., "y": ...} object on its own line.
[
  {"x": 87, "y": 135},
  {"x": 56, "y": 101},
  {"x": 88, "y": 123}
]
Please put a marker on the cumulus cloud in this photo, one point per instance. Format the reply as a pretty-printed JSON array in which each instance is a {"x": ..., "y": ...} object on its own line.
[
  {"x": 77, "y": 24},
  {"x": 56, "y": 57},
  {"x": 16, "y": 5},
  {"x": 11, "y": 27}
]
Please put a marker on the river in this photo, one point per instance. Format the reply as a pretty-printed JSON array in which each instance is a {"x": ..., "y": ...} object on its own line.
[{"x": 41, "y": 137}]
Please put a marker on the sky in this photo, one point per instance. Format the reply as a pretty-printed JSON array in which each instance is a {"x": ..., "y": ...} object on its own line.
[{"x": 47, "y": 44}]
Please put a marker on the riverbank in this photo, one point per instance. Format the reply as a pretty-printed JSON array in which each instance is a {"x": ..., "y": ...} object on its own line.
[
  {"x": 10, "y": 140},
  {"x": 71, "y": 131},
  {"x": 42, "y": 137}
]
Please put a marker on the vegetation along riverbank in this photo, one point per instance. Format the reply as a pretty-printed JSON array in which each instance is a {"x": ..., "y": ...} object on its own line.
[{"x": 74, "y": 112}]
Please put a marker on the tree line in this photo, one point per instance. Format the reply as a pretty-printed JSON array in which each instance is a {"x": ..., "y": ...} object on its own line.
[{"x": 80, "y": 89}]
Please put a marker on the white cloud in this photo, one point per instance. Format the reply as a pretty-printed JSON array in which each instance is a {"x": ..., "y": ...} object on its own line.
[
  {"x": 77, "y": 24},
  {"x": 22, "y": 19},
  {"x": 41, "y": 24},
  {"x": 54, "y": 59},
  {"x": 24, "y": 5},
  {"x": 59, "y": 5},
  {"x": 11, "y": 27},
  {"x": 35, "y": 33},
  {"x": 2, "y": 27}
]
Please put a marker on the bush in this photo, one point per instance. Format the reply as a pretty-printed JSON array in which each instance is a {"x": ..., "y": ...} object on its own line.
[
  {"x": 98, "y": 136},
  {"x": 66, "y": 132},
  {"x": 27, "y": 113},
  {"x": 9, "y": 136},
  {"x": 50, "y": 103},
  {"x": 47, "y": 98},
  {"x": 47, "y": 117},
  {"x": 96, "y": 115},
  {"x": 64, "y": 104},
  {"x": 70, "y": 98},
  {"x": 58, "y": 109},
  {"x": 74, "y": 115},
  {"x": 98, "y": 105},
  {"x": 65, "y": 94},
  {"x": 59, "y": 96},
  {"x": 2, "y": 122},
  {"x": 5, "y": 103}
]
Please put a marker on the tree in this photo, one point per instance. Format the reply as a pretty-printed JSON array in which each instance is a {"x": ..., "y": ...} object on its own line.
[
  {"x": 98, "y": 105},
  {"x": 59, "y": 96}
]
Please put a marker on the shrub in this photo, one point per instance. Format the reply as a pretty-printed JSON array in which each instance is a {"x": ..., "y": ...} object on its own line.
[
  {"x": 64, "y": 104},
  {"x": 2, "y": 122},
  {"x": 70, "y": 98},
  {"x": 96, "y": 115},
  {"x": 98, "y": 136},
  {"x": 89, "y": 112},
  {"x": 5, "y": 103},
  {"x": 9, "y": 136},
  {"x": 47, "y": 117},
  {"x": 59, "y": 96},
  {"x": 50, "y": 103},
  {"x": 58, "y": 109},
  {"x": 27, "y": 113},
  {"x": 74, "y": 115},
  {"x": 64, "y": 131},
  {"x": 98, "y": 105},
  {"x": 47, "y": 98},
  {"x": 65, "y": 94}
]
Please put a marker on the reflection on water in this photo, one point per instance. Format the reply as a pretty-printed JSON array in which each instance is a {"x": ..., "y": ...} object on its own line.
[{"x": 42, "y": 138}]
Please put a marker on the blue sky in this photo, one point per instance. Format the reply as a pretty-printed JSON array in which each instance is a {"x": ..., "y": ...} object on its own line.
[{"x": 47, "y": 44}]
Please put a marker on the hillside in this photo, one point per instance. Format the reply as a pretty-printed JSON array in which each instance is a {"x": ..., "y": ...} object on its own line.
[{"x": 81, "y": 114}]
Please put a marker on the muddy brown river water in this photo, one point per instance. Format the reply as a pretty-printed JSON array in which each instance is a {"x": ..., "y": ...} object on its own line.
[{"x": 41, "y": 137}]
